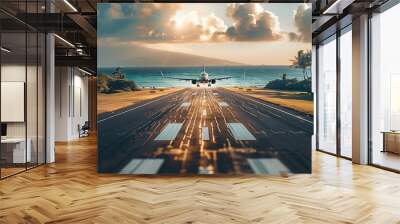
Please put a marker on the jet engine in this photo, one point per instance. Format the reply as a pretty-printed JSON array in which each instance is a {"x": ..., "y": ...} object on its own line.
[
  {"x": 194, "y": 82},
  {"x": 213, "y": 81}
]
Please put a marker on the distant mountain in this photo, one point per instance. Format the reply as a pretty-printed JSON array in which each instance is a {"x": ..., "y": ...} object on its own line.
[{"x": 147, "y": 57}]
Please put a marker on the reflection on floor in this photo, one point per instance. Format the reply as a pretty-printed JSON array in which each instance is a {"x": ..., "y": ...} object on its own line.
[
  {"x": 71, "y": 191},
  {"x": 11, "y": 169},
  {"x": 387, "y": 159}
]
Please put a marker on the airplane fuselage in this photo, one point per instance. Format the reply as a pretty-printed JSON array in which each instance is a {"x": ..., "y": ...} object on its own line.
[{"x": 203, "y": 77}]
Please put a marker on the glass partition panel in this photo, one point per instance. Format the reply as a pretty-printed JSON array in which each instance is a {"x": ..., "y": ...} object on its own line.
[
  {"x": 31, "y": 97},
  {"x": 327, "y": 95},
  {"x": 346, "y": 93},
  {"x": 22, "y": 62},
  {"x": 15, "y": 150},
  {"x": 385, "y": 89}
]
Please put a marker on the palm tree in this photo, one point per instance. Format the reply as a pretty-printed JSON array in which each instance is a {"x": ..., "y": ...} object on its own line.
[{"x": 302, "y": 60}]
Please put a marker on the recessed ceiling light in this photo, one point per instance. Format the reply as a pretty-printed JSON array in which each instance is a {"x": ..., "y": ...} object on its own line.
[
  {"x": 86, "y": 72},
  {"x": 64, "y": 40},
  {"x": 5, "y": 50},
  {"x": 337, "y": 7},
  {"x": 70, "y": 5}
]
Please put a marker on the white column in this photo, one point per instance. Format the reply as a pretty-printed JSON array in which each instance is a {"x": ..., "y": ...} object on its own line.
[
  {"x": 360, "y": 90},
  {"x": 50, "y": 99},
  {"x": 50, "y": 92}
]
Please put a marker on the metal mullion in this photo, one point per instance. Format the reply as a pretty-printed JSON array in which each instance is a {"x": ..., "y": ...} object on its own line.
[
  {"x": 317, "y": 96},
  {"x": 338, "y": 93},
  {"x": 45, "y": 92},
  {"x": 26, "y": 87},
  {"x": 37, "y": 91},
  {"x": 0, "y": 92},
  {"x": 369, "y": 90},
  {"x": 73, "y": 92}
]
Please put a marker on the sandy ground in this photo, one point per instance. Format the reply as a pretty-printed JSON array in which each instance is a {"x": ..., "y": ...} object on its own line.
[
  {"x": 299, "y": 101},
  {"x": 115, "y": 101}
]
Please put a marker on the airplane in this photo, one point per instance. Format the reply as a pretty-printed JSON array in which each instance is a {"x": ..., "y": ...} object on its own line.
[{"x": 203, "y": 78}]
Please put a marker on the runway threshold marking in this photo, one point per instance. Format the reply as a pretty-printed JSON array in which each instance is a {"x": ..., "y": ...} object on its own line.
[
  {"x": 223, "y": 104},
  {"x": 169, "y": 132},
  {"x": 268, "y": 166},
  {"x": 142, "y": 166},
  {"x": 240, "y": 132},
  {"x": 185, "y": 104},
  {"x": 285, "y": 112},
  {"x": 205, "y": 134}
]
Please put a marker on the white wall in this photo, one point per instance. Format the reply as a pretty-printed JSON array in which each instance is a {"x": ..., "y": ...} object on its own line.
[
  {"x": 33, "y": 126},
  {"x": 13, "y": 73},
  {"x": 61, "y": 103},
  {"x": 71, "y": 102}
]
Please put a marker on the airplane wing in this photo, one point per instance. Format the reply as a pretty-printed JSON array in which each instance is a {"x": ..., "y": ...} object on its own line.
[
  {"x": 183, "y": 79},
  {"x": 221, "y": 78}
]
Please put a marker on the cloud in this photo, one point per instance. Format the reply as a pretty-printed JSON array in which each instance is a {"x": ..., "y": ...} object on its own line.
[
  {"x": 135, "y": 21},
  {"x": 302, "y": 22},
  {"x": 252, "y": 23},
  {"x": 156, "y": 23},
  {"x": 191, "y": 26}
]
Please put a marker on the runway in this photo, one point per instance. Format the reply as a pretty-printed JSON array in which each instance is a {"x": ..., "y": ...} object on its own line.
[{"x": 204, "y": 131}]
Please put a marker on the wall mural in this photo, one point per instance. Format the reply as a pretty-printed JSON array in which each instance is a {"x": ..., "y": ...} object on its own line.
[{"x": 200, "y": 89}]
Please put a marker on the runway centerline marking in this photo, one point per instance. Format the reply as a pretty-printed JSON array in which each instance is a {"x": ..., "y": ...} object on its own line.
[
  {"x": 205, "y": 134},
  {"x": 169, "y": 132},
  {"x": 240, "y": 132}
]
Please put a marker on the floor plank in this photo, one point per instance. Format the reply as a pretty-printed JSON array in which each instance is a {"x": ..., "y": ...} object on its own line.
[{"x": 71, "y": 191}]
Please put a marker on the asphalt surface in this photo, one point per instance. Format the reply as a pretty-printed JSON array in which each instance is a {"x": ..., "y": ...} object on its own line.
[{"x": 217, "y": 132}]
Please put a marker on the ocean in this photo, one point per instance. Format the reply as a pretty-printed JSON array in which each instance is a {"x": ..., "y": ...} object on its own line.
[{"x": 254, "y": 76}]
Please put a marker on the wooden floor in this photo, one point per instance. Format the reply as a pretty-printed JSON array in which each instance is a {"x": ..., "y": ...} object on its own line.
[{"x": 70, "y": 191}]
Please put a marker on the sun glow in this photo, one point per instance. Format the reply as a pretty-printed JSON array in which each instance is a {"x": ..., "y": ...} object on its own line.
[{"x": 179, "y": 19}]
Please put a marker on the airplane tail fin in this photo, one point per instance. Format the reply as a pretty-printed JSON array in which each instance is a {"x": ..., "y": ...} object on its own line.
[{"x": 162, "y": 74}]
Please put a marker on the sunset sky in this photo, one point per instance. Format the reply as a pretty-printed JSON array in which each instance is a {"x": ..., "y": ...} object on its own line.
[{"x": 149, "y": 34}]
